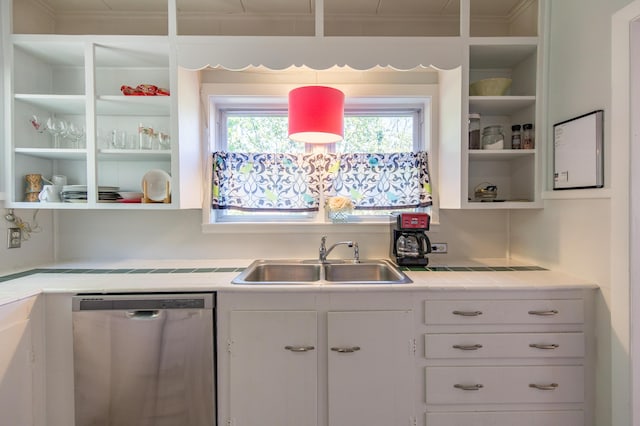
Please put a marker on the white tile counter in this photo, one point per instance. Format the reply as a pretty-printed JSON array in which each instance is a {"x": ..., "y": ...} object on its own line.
[{"x": 216, "y": 275}]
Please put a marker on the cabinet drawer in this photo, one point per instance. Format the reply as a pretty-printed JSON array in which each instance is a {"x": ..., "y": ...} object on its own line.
[
  {"x": 454, "y": 312},
  {"x": 504, "y": 345},
  {"x": 520, "y": 418},
  {"x": 504, "y": 385}
]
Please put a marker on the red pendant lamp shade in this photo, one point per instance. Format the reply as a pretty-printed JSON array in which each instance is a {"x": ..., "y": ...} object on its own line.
[{"x": 316, "y": 114}]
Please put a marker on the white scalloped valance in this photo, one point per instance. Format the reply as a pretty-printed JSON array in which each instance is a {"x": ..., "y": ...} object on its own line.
[{"x": 319, "y": 53}]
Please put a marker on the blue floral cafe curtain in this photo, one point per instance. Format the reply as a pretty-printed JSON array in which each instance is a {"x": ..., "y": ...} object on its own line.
[
  {"x": 379, "y": 181},
  {"x": 266, "y": 181}
]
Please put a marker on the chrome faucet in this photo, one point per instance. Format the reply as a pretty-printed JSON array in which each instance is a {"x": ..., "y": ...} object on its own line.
[{"x": 324, "y": 252}]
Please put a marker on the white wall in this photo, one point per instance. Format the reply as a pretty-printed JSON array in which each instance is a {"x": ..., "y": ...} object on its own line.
[
  {"x": 36, "y": 251},
  {"x": 95, "y": 235},
  {"x": 573, "y": 234}
]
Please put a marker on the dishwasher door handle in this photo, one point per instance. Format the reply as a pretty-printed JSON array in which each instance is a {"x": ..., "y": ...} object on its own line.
[{"x": 143, "y": 314}]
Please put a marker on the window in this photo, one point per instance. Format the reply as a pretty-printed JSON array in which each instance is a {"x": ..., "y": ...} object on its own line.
[
  {"x": 370, "y": 130},
  {"x": 383, "y": 129}
]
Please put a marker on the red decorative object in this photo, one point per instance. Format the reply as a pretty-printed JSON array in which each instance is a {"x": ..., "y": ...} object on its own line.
[
  {"x": 144, "y": 90},
  {"x": 316, "y": 114},
  {"x": 147, "y": 89},
  {"x": 130, "y": 91}
]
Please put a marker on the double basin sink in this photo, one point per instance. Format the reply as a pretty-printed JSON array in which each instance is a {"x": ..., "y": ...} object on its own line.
[{"x": 283, "y": 272}]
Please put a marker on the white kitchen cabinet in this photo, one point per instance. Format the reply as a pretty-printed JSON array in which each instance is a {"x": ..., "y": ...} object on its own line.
[
  {"x": 370, "y": 367},
  {"x": 395, "y": 358},
  {"x": 273, "y": 368},
  {"x": 311, "y": 364},
  {"x": 16, "y": 386},
  {"x": 494, "y": 356},
  {"x": 21, "y": 397}
]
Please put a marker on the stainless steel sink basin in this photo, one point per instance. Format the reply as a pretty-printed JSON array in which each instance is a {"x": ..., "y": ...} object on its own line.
[
  {"x": 364, "y": 272},
  {"x": 263, "y": 271},
  {"x": 307, "y": 272}
]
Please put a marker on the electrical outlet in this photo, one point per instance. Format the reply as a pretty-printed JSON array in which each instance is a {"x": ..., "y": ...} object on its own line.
[
  {"x": 440, "y": 248},
  {"x": 14, "y": 237}
]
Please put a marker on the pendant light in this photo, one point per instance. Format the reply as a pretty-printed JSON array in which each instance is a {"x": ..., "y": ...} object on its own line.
[{"x": 316, "y": 115}]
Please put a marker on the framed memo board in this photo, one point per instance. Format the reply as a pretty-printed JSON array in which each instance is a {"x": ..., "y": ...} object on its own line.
[{"x": 577, "y": 152}]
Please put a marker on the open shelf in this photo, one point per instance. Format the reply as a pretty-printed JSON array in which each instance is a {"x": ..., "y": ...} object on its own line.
[{"x": 53, "y": 153}]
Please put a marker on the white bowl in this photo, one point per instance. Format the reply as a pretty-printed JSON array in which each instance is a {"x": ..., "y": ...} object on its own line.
[
  {"x": 490, "y": 87},
  {"x": 157, "y": 181},
  {"x": 130, "y": 195}
]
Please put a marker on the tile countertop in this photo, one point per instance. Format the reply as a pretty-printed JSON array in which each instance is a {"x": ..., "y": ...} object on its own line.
[{"x": 216, "y": 275}]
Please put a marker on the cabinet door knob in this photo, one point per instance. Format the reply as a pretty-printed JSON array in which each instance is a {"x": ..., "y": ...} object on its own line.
[
  {"x": 299, "y": 348},
  {"x": 544, "y": 313},
  {"x": 544, "y": 346},
  {"x": 550, "y": 386},
  {"x": 467, "y": 313},
  {"x": 473, "y": 387},
  {"x": 467, "y": 347},
  {"x": 346, "y": 350}
]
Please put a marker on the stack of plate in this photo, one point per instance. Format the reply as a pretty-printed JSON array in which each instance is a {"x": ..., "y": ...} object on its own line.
[{"x": 78, "y": 194}]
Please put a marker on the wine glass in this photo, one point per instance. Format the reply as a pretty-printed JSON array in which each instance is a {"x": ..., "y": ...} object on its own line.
[
  {"x": 56, "y": 128},
  {"x": 76, "y": 133},
  {"x": 36, "y": 123}
]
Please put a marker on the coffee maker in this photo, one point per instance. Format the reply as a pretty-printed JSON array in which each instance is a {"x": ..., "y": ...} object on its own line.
[{"x": 409, "y": 242}]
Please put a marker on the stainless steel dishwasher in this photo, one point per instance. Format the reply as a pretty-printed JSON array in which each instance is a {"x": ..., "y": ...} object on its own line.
[{"x": 144, "y": 359}]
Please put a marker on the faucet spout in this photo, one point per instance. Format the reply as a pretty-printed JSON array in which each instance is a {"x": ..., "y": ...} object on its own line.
[{"x": 324, "y": 251}]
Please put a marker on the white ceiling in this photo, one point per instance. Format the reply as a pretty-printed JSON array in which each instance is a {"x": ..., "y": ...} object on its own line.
[{"x": 278, "y": 7}]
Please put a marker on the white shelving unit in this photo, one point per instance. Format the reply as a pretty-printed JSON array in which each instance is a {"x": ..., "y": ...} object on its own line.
[
  {"x": 76, "y": 74},
  {"x": 78, "y": 79},
  {"x": 513, "y": 171}
]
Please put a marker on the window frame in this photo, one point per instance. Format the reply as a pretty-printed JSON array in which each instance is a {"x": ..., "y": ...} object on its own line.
[{"x": 221, "y": 97}]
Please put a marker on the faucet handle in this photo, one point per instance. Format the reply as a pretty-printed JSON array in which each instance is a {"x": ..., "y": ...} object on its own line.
[{"x": 322, "y": 252}]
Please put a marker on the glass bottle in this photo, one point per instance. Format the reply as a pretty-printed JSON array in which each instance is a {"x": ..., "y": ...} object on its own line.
[
  {"x": 492, "y": 137},
  {"x": 474, "y": 131},
  {"x": 515, "y": 137},
  {"x": 527, "y": 136}
]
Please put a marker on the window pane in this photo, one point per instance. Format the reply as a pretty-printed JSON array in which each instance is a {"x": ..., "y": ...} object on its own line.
[
  {"x": 260, "y": 134},
  {"x": 382, "y": 134}
]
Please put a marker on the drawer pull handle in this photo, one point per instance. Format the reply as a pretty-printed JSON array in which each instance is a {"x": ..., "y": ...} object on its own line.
[
  {"x": 346, "y": 350},
  {"x": 299, "y": 348},
  {"x": 467, "y": 313},
  {"x": 544, "y": 313},
  {"x": 551, "y": 386},
  {"x": 467, "y": 347},
  {"x": 543, "y": 346},
  {"x": 468, "y": 387}
]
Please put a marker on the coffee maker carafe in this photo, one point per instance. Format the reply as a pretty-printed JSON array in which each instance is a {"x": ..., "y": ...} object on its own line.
[{"x": 409, "y": 242}]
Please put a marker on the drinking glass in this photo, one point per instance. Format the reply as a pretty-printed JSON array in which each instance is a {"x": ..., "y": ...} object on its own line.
[
  {"x": 164, "y": 140},
  {"x": 76, "y": 134},
  {"x": 56, "y": 128},
  {"x": 145, "y": 135},
  {"x": 118, "y": 139}
]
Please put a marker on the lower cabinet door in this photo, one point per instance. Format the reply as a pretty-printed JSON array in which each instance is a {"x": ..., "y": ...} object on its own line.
[
  {"x": 16, "y": 375},
  {"x": 371, "y": 368},
  {"x": 505, "y": 385},
  {"x": 273, "y": 362},
  {"x": 520, "y": 418}
]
